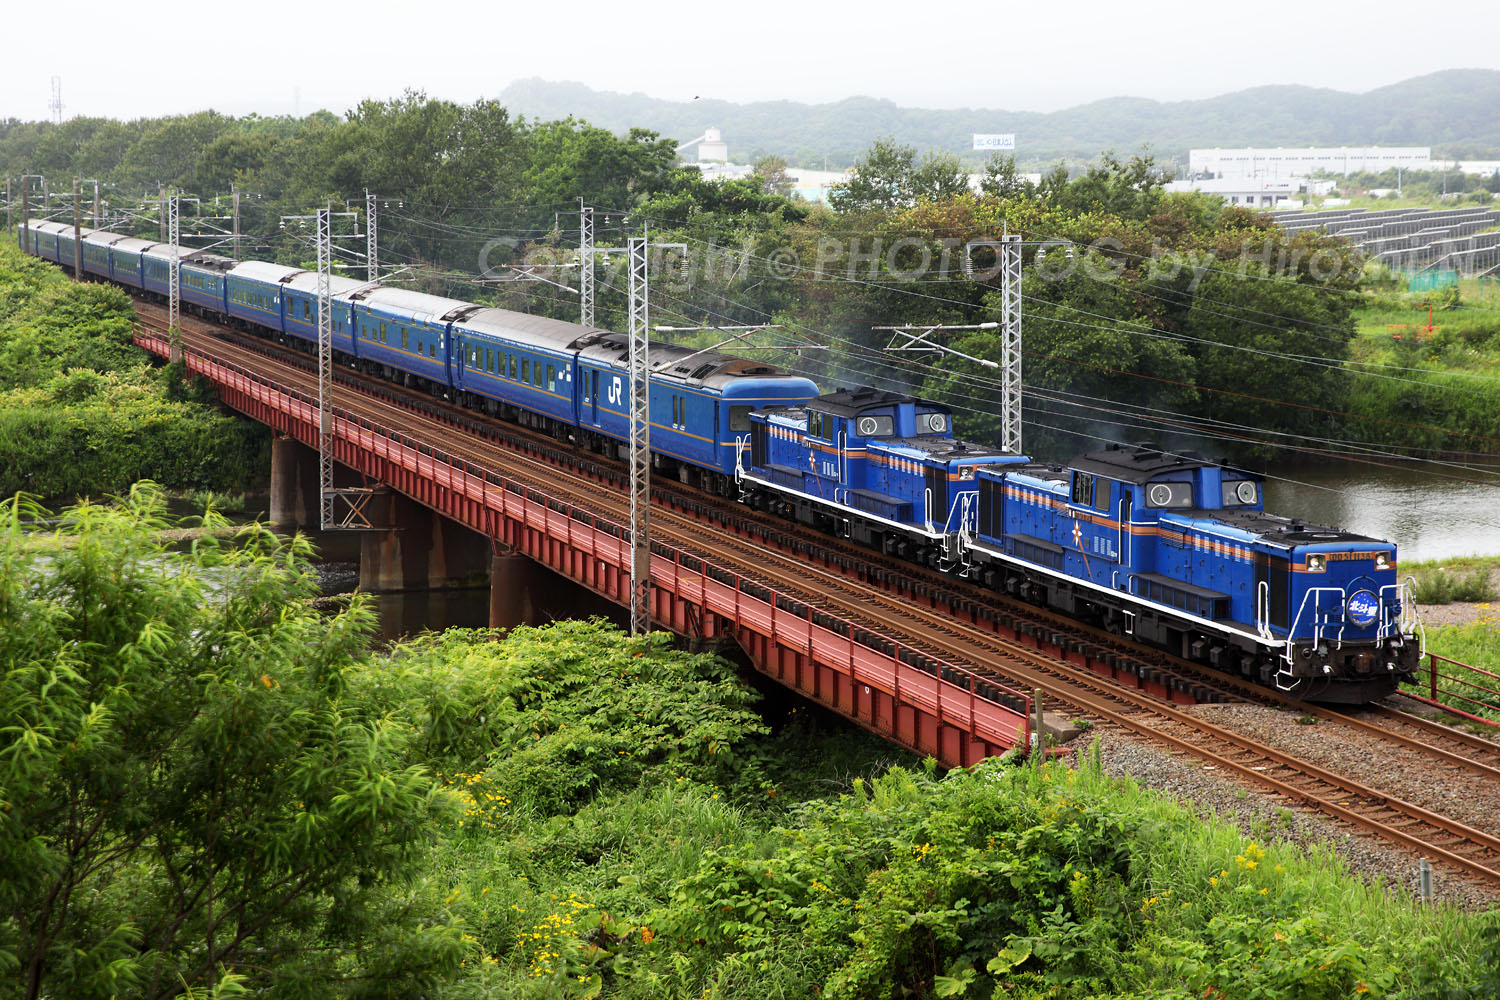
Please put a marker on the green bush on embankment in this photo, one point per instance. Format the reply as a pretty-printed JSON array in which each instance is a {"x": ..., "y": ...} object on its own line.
[
  {"x": 572, "y": 812},
  {"x": 81, "y": 410}
]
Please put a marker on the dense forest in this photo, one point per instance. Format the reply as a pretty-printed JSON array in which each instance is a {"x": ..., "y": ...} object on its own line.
[
  {"x": 1146, "y": 315},
  {"x": 1451, "y": 111}
]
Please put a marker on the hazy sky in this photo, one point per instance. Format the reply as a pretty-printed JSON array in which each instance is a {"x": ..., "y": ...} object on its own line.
[{"x": 276, "y": 57}]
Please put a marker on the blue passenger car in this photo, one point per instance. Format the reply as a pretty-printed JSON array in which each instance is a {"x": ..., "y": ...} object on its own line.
[
  {"x": 96, "y": 244},
  {"x": 125, "y": 261},
  {"x": 300, "y": 309},
  {"x": 43, "y": 239},
  {"x": 523, "y": 360},
  {"x": 254, "y": 291},
  {"x": 205, "y": 281},
  {"x": 406, "y": 332},
  {"x": 701, "y": 401}
]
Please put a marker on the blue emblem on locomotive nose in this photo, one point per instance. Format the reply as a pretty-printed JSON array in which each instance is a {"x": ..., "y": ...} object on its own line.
[{"x": 1363, "y": 608}]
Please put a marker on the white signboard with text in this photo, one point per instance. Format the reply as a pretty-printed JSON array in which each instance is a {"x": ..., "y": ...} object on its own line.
[{"x": 1006, "y": 141}]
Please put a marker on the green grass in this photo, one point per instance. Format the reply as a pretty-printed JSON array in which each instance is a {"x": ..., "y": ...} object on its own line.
[
  {"x": 1445, "y": 586},
  {"x": 1461, "y": 578},
  {"x": 1476, "y": 644}
]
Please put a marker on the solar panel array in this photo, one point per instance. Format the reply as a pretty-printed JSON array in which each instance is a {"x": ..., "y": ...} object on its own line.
[{"x": 1411, "y": 238}]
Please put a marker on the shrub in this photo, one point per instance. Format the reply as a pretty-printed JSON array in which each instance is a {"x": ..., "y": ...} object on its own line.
[{"x": 1445, "y": 586}]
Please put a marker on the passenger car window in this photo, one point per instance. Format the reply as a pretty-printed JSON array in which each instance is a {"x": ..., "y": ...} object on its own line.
[{"x": 739, "y": 418}]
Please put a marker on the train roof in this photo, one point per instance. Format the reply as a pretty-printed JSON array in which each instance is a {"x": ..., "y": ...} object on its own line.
[
  {"x": 338, "y": 285},
  {"x": 40, "y": 226},
  {"x": 710, "y": 369},
  {"x": 132, "y": 244},
  {"x": 101, "y": 237},
  {"x": 414, "y": 303},
  {"x": 1273, "y": 528},
  {"x": 943, "y": 449},
  {"x": 264, "y": 270},
  {"x": 211, "y": 262},
  {"x": 164, "y": 251},
  {"x": 852, "y": 402},
  {"x": 543, "y": 331},
  {"x": 1141, "y": 464}
]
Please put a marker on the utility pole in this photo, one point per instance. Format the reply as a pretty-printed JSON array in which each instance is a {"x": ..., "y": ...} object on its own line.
[
  {"x": 640, "y": 434},
  {"x": 640, "y": 430},
  {"x": 372, "y": 246},
  {"x": 1009, "y": 250},
  {"x": 96, "y": 204},
  {"x": 236, "y": 223},
  {"x": 174, "y": 304},
  {"x": 1010, "y": 344},
  {"x": 325, "y": 369},
  {"x": 585, "y": 263},
  {"x": 77, "y": 237}
]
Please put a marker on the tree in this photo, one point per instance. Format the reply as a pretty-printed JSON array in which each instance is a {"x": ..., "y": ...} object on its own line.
[
  {"x": 770, "y": 172},
  {"x": 889, "y": 177},
  {"x": 183, "y": 792},
  {"x": 1002, "y": 180}
]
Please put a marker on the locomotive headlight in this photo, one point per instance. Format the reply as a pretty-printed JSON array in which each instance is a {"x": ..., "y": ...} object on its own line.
[
  {"x": 1382, "y": 560},
  {"x": 1317, "y": 563}
]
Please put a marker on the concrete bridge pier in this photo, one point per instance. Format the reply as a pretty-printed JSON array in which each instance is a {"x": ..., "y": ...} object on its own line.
[
  {"x": 414, "y": 548},
  {"x": 512, "y": 580},
  {"x": 294, "y": 484}
]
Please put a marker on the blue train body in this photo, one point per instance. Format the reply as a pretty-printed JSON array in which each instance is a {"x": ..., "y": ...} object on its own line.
[
  {"x": 1180, "y": 552},
  {"x": 881, "y": 468},
  {"x": 1170, "y": 549}
]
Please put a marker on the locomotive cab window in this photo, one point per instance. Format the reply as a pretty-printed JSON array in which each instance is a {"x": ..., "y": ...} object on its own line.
[
  {"x": 932, "y": 423},
  {"x": 1240, "y": 493},
  {"x": 1083, "y": 489},
  {"x": 820, "y": 425},
  {"x": 875, "y": 425},
  {"x": 1169, "y": 494}
]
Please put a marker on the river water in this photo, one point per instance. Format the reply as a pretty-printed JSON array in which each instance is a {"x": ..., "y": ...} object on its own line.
[{"x": 1426, "y": 515}]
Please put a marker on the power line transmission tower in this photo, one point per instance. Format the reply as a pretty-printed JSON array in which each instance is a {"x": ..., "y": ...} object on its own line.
[
  {"x": 174, "y": 302},
  {"x": 357, "y": 498},
  {"x": 77, "y": 236},
  {"x": 640, "y": 436},
  {"x": 585, "y": 263},
  {"x": 325, "y": 369},
  {"x": 640, "y": 430},
  {"x": 56, "y": 104},
  {"x": 1010, "y": 344},
  {"x": 372, "y": 256},
  {"x": 1008, "y": 249},
  {"x": 236, "y": 193}
]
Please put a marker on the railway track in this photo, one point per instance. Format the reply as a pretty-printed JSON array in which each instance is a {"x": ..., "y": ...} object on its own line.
[{"x": 1008, "y": 662}]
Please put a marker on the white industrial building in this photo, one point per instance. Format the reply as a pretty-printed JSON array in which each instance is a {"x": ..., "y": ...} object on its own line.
[
  {"x": 1255, "y": 193},
  {"x": 1283, "y": 163}
]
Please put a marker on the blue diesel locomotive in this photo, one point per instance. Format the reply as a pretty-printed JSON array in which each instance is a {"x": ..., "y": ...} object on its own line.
[{"x": 1171, "y": 550}]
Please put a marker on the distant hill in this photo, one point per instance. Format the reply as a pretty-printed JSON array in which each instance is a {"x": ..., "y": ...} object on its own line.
[{"x": 1453, "y": 111}]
